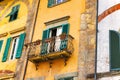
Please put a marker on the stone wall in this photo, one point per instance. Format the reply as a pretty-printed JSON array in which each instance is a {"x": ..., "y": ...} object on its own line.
[
  {"x": 87, "y": 41},
  {"x": 30, "y": 24}
]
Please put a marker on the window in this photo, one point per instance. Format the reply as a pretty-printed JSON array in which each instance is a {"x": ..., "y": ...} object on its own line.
[
  {"x": 14, "y": 13},
  {"x": 114, "y": 50},
  {"x": 69, "y": 78},
  {"x": 38, "y": 78},
  {"x": 53, "y": 33},
  {"x": 55, "y": 2},
  {"x": 13, "y": 48}
]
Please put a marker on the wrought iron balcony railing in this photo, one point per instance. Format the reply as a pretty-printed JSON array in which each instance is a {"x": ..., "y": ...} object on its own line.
[{"x": 51, "y": 48}]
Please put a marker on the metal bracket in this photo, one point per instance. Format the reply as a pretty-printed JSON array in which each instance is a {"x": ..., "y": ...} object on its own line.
[
  {"x": 65, "y": 61},
  {"x": 50, "y": 63},
  {"x": 36, "y": 65}
]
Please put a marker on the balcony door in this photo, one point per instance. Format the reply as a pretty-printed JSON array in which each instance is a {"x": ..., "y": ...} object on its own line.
[{"x": 54, "y": 46}]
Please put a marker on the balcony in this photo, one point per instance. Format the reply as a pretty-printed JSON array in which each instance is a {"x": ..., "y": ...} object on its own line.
[{"x": 51, "y": 49}]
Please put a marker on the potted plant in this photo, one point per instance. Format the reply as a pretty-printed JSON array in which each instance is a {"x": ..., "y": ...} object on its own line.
[{"x": 62, "y": 36}]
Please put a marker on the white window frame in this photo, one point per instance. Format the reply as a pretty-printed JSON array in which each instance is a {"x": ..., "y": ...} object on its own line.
[{"x": 14, "y": 46}]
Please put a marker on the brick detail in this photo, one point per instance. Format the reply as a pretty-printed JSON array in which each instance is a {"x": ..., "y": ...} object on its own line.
[{"x": 108, "y": 12}]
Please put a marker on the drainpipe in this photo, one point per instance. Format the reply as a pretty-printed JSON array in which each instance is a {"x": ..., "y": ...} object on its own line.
[
  {"x": 95, "y": 74},
  {"x": 31, "y": 39}
]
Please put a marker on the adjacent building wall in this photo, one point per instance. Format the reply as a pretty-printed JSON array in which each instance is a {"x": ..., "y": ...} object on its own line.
[{"x": 108, "y": 20}]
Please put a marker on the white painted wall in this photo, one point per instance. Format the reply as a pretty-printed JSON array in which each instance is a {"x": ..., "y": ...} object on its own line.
[{"x": 111, "y": 22}]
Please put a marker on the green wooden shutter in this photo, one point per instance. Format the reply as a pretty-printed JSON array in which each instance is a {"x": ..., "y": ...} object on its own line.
[
  {"x": 14, "y": 10},
  {"x": 50, "y": 3},
  {"x": 114, "y": 50},
  {"x": 20, "y": 45},
  {"x": 44, "y": 45},
  {"x": 6, "y": 50},
  {"x": 45, "y": 34},
  {"x": 1, "y": 42},
  {"x": 65, "y": 29},
  {"x": 69, "y": 78},
  {"x": 14, "y": 13}
]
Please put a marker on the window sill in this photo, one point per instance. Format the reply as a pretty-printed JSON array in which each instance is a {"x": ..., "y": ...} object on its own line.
[{"x": 53, "y": 5}]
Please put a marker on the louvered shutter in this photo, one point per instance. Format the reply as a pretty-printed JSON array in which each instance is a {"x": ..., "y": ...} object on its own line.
[
  {"x": 50, "y": 2},
  {"x": 6, "y": 50},
  {"x": 20, "y": 45},
  {"x": 114, "y": 50},
  {"x": 1, "y": 42},
  {"x": 44, "y": 44},
  {"x": 65, "y": 29}
]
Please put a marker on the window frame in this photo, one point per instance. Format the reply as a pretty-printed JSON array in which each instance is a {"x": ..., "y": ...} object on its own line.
[
  {"x": 13, "y": 48},
  {"x": 67, "y": 75},
  {"x": 19, "y": 48},
  {"x": 14, "y": 13},
  {"x": 55, "y": 3}
]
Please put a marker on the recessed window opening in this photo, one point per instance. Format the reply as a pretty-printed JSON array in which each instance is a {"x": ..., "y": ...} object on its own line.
[{"x": 14, "y": 46}]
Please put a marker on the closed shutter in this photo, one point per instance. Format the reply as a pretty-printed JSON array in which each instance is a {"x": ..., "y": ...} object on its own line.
[
  {"x": 20, "y": 45},
  {"x": 114, "y": 50},
  {"x": 65, "y": 29},
  {"x": 50, "y": 2},
  {"x": 6, "y": 50},
  {"x": 44, "y": 44},
  {"x": 1, "y": 42}
]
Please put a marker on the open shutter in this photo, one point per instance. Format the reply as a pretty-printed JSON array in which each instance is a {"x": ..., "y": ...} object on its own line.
[
  {"x": 114, "y": 50},
  {"x": 50, "y": 2},
  {"x": 6, "y": 50},
  {"x": 20, "y": 45},
  {"x": 14, "y": 13},
  {"x": 65, "y": 29},
  {"x": 14, "y": 10},
  {"x": 44, "y": 44},
  {"x": 45, "y": 34},
  {"x": 1, "y": 42}
]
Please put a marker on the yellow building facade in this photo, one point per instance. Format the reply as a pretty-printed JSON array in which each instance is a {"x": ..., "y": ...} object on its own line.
[
  {"x": 13, "y": 27},
  {"x": 47, "y": 39},
  {"x": 52, "y": 20}
]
